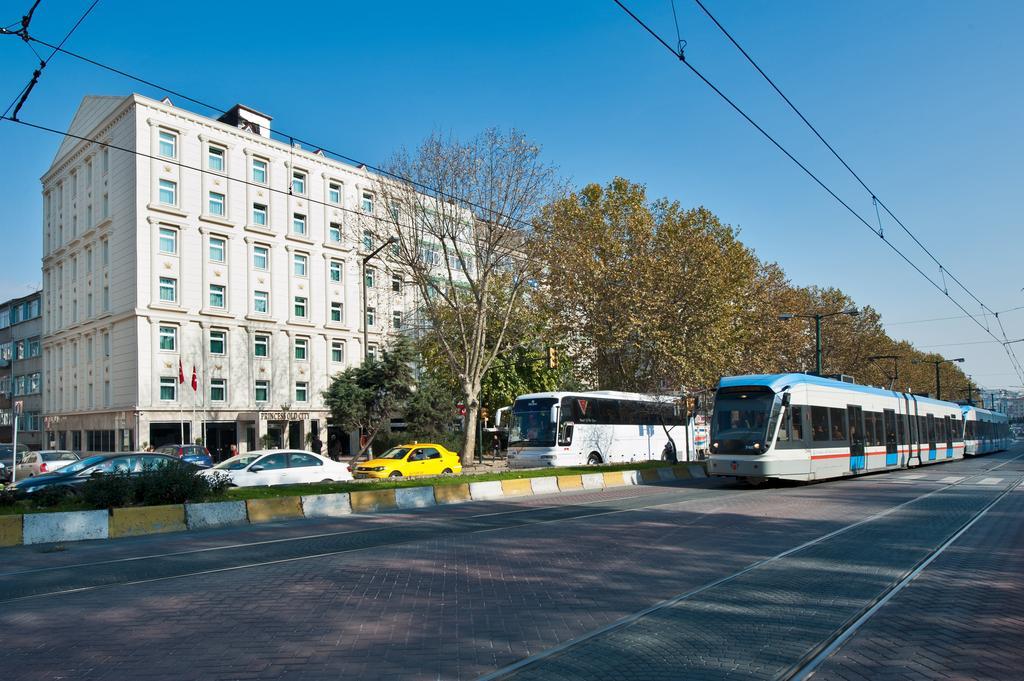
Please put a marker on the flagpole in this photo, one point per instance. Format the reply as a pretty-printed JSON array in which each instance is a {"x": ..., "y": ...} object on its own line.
[{"x": 181, "y": 415}]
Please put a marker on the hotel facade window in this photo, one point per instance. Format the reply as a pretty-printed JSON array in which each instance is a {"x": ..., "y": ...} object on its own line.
[
  {"x": 261, "y": 302},
  {"x": 262, "y": 391},
  {"x": 215, "y": 159},
  {"x": 218, "y": 342},
  {"x": 217, "y": 295},
  {"x": 216, "y": 204},
  {"x": 168, "y": 290},
  {"x": 218, "y": 389},
  {"x": 168, "y": 338},
  {"x": 218, "y": 248},
  {"x": 259, "y": 214},
  {"x": 298, "y": 182},
  {"x": 168, "y": 144},
  {"x": 261, "y": 345},
  {"x": 259, "y": 171},
  {"x": 169, "y": 192},
  {"x": 260, "y": 257}
]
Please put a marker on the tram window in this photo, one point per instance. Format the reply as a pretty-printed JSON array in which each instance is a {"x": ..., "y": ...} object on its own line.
[
  {"x": 838, "y": 423},
  {"x": 798, "y": 423},
  {"x": 819, "y": 424},
  {"x": 869, "y": 428},
  {"x": 785, "y": 430},
  {"x": 904, "y": 431}
]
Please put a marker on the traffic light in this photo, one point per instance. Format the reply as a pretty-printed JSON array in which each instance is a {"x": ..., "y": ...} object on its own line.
[
  {"x": 484, "y": 414},
  {"x": 552, "y": 358}
]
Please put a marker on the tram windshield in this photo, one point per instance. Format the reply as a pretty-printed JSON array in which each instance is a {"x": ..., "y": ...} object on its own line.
[
  {"x": 531, "y": 423},
  {"x": 741, "y": 421}
]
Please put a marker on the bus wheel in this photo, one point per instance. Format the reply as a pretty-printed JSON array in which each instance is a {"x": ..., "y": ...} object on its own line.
[{"x": 594, "y": 459}]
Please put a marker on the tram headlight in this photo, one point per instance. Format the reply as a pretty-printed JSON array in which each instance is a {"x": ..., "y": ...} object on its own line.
[{"x": 757, "y": 445}]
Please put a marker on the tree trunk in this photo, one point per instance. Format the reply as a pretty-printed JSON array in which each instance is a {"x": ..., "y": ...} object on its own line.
[{"x": 472, "y": 423}]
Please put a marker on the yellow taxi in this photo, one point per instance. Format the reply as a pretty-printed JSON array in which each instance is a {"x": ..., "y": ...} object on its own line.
[{"x": 409, "y": 461}]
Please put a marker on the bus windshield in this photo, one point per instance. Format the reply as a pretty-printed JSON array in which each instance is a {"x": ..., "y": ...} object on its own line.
[
  {"x": 741, "y": 420},
  {"x": 531, "y": 424}
]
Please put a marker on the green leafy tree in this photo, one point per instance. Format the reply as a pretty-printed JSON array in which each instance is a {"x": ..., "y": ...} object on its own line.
[{"x": 365, "y": 397}]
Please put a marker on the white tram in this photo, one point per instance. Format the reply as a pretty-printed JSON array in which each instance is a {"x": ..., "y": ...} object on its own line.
[
  {"x": 803, "y": 427},
  {"x": 984, "y": 431}
]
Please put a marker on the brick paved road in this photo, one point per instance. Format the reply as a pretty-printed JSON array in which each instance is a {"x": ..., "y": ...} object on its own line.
[
  {"x": 445, "y": 606},
  {"x": 962, "y": 618}
]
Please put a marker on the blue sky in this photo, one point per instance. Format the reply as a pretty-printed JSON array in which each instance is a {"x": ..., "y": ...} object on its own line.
[{"x": 923, "y": 99}]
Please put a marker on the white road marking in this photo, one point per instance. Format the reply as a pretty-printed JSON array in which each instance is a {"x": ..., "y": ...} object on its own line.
[
  {"x": 952, "y": 478},
  {"x": 990, "y": 481}
]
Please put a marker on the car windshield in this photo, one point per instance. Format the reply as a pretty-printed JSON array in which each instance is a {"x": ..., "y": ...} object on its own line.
[
  {"x": 531, "y": 423},
  {"x": 83, "y": 464},
  {"x": 237, "y": 463},
  {"x": 395, "y": 453},
  {"x": 741, "y": 420}
]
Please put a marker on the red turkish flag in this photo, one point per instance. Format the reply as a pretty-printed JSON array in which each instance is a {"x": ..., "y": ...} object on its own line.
[
  {"x": 181, "y": 373},
  {"x": 195, "y": 380}
]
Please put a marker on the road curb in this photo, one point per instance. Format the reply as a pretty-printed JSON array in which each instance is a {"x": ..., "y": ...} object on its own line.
[{"x": 39, "y": 528}]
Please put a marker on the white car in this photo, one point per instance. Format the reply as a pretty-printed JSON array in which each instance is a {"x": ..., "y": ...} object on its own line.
[
  {"x": 279, "y": 467},
  {"x": 45, "y": 461}
]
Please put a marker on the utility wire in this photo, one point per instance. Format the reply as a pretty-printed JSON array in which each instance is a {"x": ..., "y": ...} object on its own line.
[
  {"x": 814, "y": 177},
  {"x": 229, "y": 178},
  {"x": 491, "y": 213},
  {"x": 943, "y": 319},
  {"x": 943, "y": 270},
  {"x": 27, "y": 90}
]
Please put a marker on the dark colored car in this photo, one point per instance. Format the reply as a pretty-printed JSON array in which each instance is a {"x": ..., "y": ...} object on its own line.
[
  {"x": 197, "y": 455},
  {"x": 8, "y": 460},
  {"x": 70, "y": 478}
]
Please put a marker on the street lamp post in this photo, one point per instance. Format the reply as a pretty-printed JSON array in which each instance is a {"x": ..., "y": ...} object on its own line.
[
  {"x": 817, "y": 317},
  {"x": 366, "y": 258},
  {"x": 938, "y": 379}
]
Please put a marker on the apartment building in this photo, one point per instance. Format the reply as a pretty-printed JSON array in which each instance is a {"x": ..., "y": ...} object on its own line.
[
  {"x": 21, "y": 365},
  {"x": 191, "y": 245}
]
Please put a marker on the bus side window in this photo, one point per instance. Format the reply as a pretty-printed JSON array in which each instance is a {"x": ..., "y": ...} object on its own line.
[{"x": 798, "y": 424}]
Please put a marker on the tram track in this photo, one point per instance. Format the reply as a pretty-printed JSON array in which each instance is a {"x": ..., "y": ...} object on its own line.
[{"x": 532, "y": 667}]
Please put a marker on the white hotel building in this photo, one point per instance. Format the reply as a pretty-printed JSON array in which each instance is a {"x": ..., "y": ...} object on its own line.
[{"x": 212, "y": 245}]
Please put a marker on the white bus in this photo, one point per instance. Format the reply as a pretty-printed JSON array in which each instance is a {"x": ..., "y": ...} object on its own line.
[{"x": 572, "y": 429}]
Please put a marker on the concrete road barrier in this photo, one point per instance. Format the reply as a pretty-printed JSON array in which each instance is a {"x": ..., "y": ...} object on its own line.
[
  {"x": 44, "y": 528},
  {"x": 486, "y": 490},
  {"x": 666, "y": 474},
  {"x": 650, "y": 475},
  {"x": 631, "y": 477},
  {"x": 697, "y": 471},
  {"x": 569, "y": 482},
  {"x": 326, "y": 505},
  {"x": 131, "y": 522},
  {"x": 414, "y": 497},
  {"x": 269, "y": 510},
  {"x": 373, "y": 500},
  {"x": 452, "y": 494},
  {"x": 10, "y": 530},
  {"x": 548, "y": 485},
  {"x": 613, "y": 479},
  {"x": 215, "y": 514},
  {"x": 593, "y": 481},
  {"x": 518, "y": 487}
]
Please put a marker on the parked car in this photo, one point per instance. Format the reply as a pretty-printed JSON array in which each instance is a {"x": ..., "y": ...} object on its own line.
[
  {"x": 279, "y": 467},
  {"x": 409, "y": 461},
  {"x": 197, "y": 455},
  {"x": 71, "y": 477},
  {"x": 7, "y": 459},
  {"x": 44, "y": 461}
]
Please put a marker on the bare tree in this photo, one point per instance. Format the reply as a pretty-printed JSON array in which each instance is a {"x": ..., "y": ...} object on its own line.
[{"x": 461, "y": 214}]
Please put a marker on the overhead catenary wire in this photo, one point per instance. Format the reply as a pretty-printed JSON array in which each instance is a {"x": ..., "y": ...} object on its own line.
[
  {"x": 23, "y": 96},
  {"x": 943, "y": 269},
  {"x": 489, "y": 213},
  {"x": 819, "y": 182}
]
